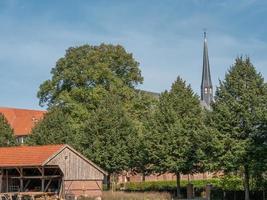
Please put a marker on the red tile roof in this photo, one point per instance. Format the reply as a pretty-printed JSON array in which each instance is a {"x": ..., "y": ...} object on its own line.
[
  {"x": 22, "y": 120},
  {"x": 27, "y": 155}
]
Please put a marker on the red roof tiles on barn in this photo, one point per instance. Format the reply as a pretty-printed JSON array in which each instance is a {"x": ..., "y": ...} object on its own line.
[
  {"x": 27, "y": 155},
  {"x": 22, "y": 120},
  {"x": 32, "y": 156}
]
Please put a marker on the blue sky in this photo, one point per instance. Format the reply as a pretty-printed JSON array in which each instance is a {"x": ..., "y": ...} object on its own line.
[{"x": 165, "y": 36}]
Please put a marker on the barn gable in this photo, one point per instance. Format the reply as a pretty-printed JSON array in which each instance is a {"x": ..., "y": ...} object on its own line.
[{"x": 75, "y": 166}]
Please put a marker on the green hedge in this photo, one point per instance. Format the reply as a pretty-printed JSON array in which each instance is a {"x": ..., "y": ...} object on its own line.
[{"x": 226, "y": 183}]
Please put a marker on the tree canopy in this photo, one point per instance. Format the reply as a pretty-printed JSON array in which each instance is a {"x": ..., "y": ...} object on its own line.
[
  {"x": 239, "y": 114},
  {"x": 85, "y": 73},
  {"x": 57, "y": 127},
  {"x": 177, "y": 138},
  {"x": 107, "y": 136},
  {"x": 93, "y": 105}
]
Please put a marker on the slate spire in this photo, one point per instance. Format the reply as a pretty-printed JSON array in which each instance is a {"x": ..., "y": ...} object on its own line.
[{"x": 206, "y": 84}]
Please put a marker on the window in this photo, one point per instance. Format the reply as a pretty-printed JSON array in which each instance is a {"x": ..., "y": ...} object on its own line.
[
  {"x": 20, "y": 139},
  {"x": 206, "y": 90}
]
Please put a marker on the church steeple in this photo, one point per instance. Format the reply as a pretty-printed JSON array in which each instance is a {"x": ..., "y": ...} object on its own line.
[{"x": 206, "y": 85}]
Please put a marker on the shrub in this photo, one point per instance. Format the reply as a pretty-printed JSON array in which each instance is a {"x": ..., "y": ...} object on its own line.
[{"x": 227, "y": 183}]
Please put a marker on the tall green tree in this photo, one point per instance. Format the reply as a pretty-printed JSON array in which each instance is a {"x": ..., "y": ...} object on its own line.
[
  {"x": 144, "y": 106},
  {"x": 108, "y": 137},
  {"x": 6, "y": 133},
  {"x": 93, "y": 103},
  {"x": 239, "y": 114},
  {"x": 177, "y": 140}
]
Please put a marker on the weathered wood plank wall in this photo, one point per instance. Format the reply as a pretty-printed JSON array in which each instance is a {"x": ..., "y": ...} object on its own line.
[{"x": 74, "y": 167}]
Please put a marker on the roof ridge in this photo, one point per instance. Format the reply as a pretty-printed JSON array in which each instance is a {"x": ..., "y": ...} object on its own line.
[
  {"x": 13, "y": 108},
  {"x": 33, "y": 146}
]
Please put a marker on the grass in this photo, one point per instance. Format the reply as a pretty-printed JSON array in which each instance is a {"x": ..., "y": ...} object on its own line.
[
  {"x": 136, "y": 196},
  {"x": 108, "y": 195}
]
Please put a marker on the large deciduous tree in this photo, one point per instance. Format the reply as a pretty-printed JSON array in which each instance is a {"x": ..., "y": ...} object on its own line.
[
  {"x": 239, "y": 114},
  {"x": 6, "y": 133},
  {"x": 177, "y": 140},
  {"x": 93, "y": 104}
]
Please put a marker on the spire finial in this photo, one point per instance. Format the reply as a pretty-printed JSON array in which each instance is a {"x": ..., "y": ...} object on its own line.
[{"x": 205, "y": 33}]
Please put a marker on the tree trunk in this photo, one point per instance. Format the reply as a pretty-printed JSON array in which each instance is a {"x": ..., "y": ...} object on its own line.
[
  {"x": 178, "y": 185},
  {"x": 246, "y": 183},
  {"x": 143, "y": 177},
  {"x": 113, "y": 182},
  {"x": 108, "y": 182}
]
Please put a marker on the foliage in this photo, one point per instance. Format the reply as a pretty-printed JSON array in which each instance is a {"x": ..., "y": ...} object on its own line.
[
  {"x": 6, "y": 133},
  {"x": 57, "y": 127},
  {"x": 176, "y": 124},
  {"x": 228, "y": 183},
  {"x": 178, "y": 137},
  {"x": 93, "y": 105},
  {"x": 86, "y": 72},
  {"x": 239, "y": 115},
  {"x": 108, "y": 136},
  {"x": 145, "y": 106}
]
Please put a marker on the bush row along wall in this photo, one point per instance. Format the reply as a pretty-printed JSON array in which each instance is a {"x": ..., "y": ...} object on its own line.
[{"x": 226, "y": 184}]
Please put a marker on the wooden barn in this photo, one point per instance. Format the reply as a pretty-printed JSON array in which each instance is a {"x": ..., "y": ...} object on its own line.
[{"x": 48, "y": 170}]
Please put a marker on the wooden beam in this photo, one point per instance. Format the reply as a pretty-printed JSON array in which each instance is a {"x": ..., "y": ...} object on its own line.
[
  {"x": 49, "y": 182},
  {"x": 37, "y": 177},
  {"x": 43, "y": 180},
  {"x": 39, "y": 169},
  {"x": 27, "y": 183},
  {"x": 18, "y": 169},
  {"x": 6, "y": 180},
  {"x": 62, "y": 189},
  {"x": 21, "y": 179},
  {"x": 99, "y": 186}
]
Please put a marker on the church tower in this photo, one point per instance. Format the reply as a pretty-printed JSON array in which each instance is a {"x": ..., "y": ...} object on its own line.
[{"x": 206, "y": 85}]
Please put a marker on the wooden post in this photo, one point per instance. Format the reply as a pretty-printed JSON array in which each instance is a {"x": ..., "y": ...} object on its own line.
[
  {"x": 43, "y": 180},
  {"x": 208, "y": 191},
  {"x": 190, "y": 191},
  {"x": 21, "y": 179},
  {"x": 62, "y": 188},
  {"x": 6, "y": 180}
]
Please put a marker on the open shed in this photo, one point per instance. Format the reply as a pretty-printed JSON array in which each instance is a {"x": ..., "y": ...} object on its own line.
[{"x": 49, "y": 169}]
